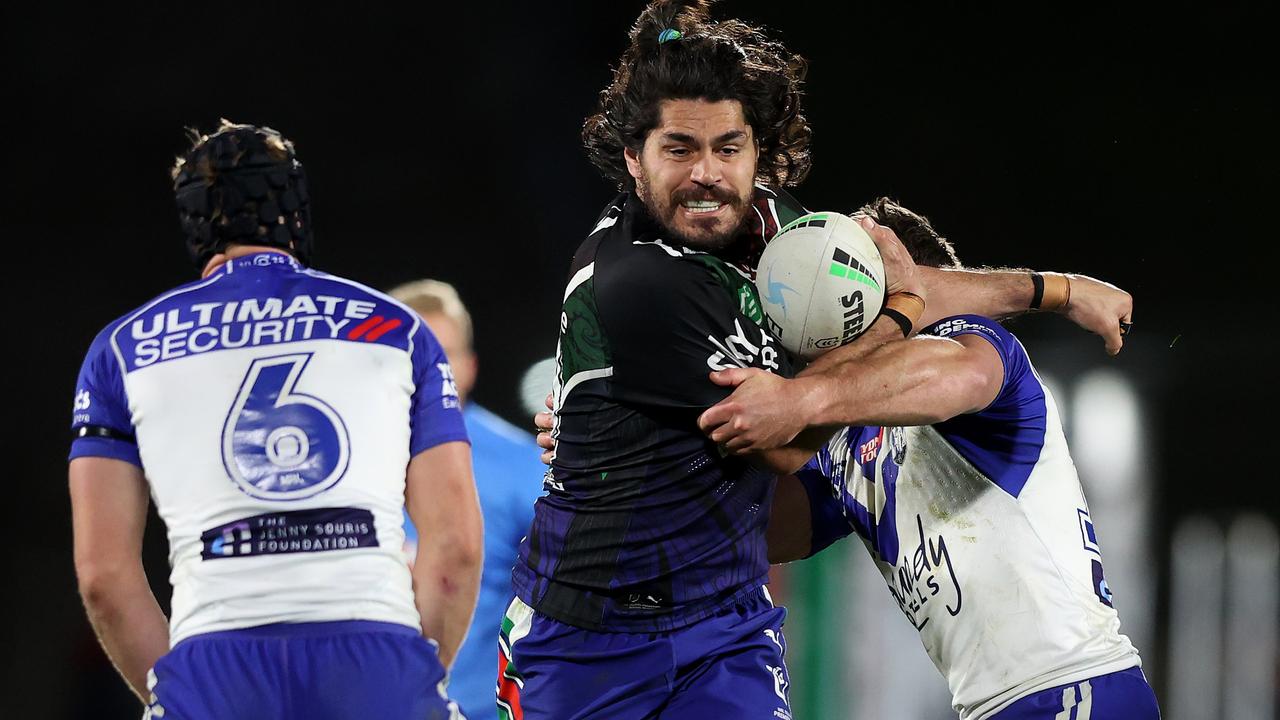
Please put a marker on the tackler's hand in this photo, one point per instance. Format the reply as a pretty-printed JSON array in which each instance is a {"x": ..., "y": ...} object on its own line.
[
  {"x": 1100, "y": 308},
  {"x": 763, "y": 412},
  {"x": 899, "y": 269}
]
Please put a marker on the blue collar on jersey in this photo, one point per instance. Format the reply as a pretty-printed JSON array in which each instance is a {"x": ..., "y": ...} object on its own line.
[{"x": 264, "y": 259}]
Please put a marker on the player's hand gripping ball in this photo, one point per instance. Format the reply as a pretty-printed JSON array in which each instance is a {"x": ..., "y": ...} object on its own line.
[{"x": 822, "y": 283}]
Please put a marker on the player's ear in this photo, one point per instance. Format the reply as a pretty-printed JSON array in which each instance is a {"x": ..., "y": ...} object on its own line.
[{"x": 633, "y": 162}]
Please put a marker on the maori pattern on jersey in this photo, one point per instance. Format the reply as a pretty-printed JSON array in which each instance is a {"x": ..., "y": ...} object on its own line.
[
  {"x": 583, "y": 345},
  {"x": 737, "y": 284}
]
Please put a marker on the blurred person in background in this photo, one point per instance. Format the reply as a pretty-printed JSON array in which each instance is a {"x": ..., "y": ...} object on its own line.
[
  {"x": 281, "y": 418},
  {"x": 508, "y": 477}
]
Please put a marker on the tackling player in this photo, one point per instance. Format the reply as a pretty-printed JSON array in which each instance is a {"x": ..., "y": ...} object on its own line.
[
  {"x": 640, "y": 586},
  {"x": 954, "y": 471},
  {"x": 280, "y": 418}
]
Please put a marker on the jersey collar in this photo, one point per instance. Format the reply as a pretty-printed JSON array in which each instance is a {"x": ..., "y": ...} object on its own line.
[{"x": 265, "y": 260}]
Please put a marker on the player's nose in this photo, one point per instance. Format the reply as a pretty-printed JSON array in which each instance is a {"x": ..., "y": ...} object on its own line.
[{"x": 705, "y": 170}]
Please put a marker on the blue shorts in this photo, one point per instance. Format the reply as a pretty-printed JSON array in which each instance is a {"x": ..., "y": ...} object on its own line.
[
  {"x": 729, "y": 665},
  {"x": 353, "y": 669},
  {"x": 1123, "y": 695}
]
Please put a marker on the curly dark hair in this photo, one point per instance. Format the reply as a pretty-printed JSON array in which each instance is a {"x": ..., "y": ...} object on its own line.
[
  {"x": 709, "y": 60},
  {"x": 925, "y": 245}
]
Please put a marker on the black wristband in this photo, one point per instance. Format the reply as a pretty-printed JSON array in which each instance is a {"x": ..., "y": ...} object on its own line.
[
  {"x": 1037, "y": 295},
  {"x": 903, "y": 321},
  {"x": 101, "y": 431}
]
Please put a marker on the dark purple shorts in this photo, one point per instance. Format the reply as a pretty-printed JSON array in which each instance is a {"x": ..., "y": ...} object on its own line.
[{"x": 729, "y": 665}]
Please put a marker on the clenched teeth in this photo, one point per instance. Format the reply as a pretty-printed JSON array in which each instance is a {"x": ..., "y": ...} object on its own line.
[{"x": 701, "y": 206}]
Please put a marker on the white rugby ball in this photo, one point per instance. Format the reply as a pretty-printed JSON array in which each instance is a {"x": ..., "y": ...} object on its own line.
[{"x": 822, "y": 283}]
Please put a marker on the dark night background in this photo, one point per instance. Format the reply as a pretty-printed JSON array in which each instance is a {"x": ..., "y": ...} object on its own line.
[{"x": 1138, "y": 148}]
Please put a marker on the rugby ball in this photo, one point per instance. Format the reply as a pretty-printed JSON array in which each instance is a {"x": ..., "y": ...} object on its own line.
[{"x": 822, "y": 283}]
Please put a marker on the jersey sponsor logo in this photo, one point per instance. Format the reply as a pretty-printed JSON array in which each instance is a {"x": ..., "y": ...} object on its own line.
[
  {"x": 448, "y": 386},
  {"x": 294, "y": 531},
  {"x": 251, "y": 322},
  {"x": 748, "y": 305},
  {"x": 738, "y": 350},
  {"x": 79, "y": 415},
  {"x": 919, "y": 578},
  {"x": 278, "y": 443},
  {"x": 959, "y": 325},
  {"x": 867, "y": 450}
]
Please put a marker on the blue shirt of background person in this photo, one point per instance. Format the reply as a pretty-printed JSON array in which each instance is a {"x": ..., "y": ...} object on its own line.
[{"x": 508, "y": 477}]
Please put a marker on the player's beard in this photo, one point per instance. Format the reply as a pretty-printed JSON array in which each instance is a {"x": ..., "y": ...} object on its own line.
[{"x": 707, "y": 235}]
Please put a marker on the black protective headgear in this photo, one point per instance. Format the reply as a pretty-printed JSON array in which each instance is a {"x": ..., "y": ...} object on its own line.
[{"x": 243, "y": 185}]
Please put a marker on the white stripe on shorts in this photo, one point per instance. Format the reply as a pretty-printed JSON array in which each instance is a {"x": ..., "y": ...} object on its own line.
[{"x": 1083, "y": 706}]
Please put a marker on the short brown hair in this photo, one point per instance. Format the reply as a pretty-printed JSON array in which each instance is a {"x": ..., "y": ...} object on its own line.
[
  {"x": 429, "y": 296},
  {"x": 926, "y": 246}
]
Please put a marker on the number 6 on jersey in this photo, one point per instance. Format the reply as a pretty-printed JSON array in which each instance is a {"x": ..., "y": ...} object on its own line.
[{"x": 278, "y": 444}]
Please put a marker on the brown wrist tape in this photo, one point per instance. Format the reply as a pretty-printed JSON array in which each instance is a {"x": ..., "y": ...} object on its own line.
[
  {"x": 908, "y": 305},
  {"x": 1057, "y": 291}
]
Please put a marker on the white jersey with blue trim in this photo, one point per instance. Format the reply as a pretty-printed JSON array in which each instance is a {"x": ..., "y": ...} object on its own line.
[
  {"x": 981, "y": 530},
  {"x": 273, "y": 410}
]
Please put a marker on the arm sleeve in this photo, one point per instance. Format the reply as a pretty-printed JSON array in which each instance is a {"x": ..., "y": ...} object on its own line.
[
  {"x": 826, "y": 514},
  {"x": 435, "y": 414},
  {"x": 101, "y": 423},
  {"x": 1012, "y": 355},
  {"x": 1005, "y": 439},
  {"x": 671, "y": 321}
]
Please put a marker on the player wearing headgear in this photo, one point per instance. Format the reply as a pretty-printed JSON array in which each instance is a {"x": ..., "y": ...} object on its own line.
[
  {"x": 953, "y": 469},
  {"x": 640, "y": 586},
  {"x": 280, "y": 418}
]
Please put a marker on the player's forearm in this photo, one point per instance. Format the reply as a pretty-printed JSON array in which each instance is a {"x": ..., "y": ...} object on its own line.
[
  {"x": 882, "y": 330},
  {"x": 920, "y": 382},
  {"x": 990, "y": 293},
  {"x": 790, "y": 532},
  {"x": 793, "y": 456},
  {"x": 440, "y": 494},
  {"x": 446, "y": 584},
  {"x": 130, "y": 625}
]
